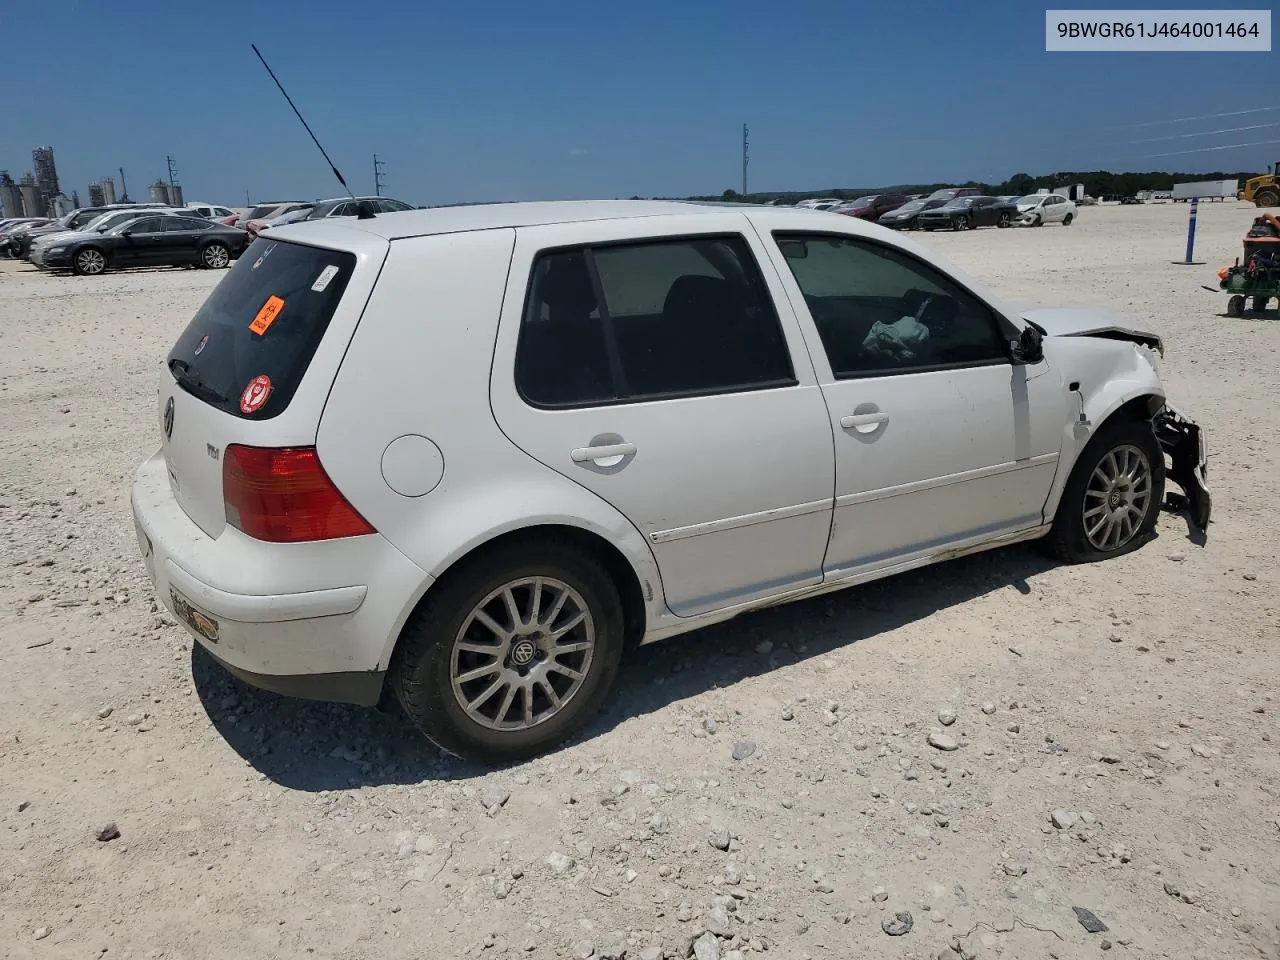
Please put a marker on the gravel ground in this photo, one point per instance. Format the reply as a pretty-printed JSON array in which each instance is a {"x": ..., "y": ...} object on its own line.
[{"x": 967, "y": 753}]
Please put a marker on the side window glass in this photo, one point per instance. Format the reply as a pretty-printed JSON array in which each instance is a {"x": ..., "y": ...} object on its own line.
[
  {"x": 649, "y": 321},
  {"x": 879, "y": 311},
  {"x": 562, "y": 358},
  {"x": 148, "y": 225}
]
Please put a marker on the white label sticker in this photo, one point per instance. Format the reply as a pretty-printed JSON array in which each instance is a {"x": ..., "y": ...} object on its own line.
[{"x": 322, "y": 281}]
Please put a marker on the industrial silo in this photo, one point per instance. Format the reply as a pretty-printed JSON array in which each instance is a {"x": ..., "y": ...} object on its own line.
[
  {"x": 32, "y": 202},
  {"x": 158, "y": 192},
  {"x": 10, "y": 196},
  {"x": 96, "y": 195},
  {"x": 108, "y": 191}
]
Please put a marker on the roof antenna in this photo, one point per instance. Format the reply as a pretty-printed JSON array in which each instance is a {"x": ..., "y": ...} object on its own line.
[{"x": 365, "y": 212}]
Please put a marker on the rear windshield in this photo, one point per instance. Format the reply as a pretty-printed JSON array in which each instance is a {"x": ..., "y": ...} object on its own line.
[{"x": 265, "y": 319}]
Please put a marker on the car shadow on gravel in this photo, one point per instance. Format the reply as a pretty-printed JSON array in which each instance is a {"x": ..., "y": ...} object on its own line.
[{"x": 309, "y": 746}]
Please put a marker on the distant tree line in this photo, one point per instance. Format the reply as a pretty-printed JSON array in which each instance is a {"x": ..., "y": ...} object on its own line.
[{"x": 1097, "y": 183}]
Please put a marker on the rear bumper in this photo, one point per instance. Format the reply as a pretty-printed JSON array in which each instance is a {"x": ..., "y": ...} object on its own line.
[
  {"x": 314, "y": 620},
  {"x": 1184, "y": 442}
]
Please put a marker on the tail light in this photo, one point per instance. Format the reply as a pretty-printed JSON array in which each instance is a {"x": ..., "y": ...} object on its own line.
[{"x": 283, "y": 495}]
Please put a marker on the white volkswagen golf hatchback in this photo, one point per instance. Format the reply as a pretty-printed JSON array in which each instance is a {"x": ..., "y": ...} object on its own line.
[{"x": 459, "y": 459}]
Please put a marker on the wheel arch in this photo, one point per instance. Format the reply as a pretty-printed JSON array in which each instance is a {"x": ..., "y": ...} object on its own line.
[{"x": 631, "y": 589}]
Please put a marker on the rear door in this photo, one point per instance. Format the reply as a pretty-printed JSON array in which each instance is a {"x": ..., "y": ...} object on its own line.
[
  {"x": 182, "y": 238},
  {"x": 657, "y": 372}
]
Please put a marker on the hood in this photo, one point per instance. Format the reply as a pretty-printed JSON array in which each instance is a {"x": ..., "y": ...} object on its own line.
[{"x": 1090, "y": 322}]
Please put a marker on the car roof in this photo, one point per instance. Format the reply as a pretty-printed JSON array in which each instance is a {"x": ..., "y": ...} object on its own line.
[{"x": 495, "y": 216}]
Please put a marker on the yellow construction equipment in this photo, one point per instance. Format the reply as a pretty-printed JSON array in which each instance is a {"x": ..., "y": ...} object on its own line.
[{"x": 1263, "y": 191}]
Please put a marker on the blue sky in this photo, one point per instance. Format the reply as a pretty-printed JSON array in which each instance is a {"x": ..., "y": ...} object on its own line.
[{"x": 561, "y": 99}]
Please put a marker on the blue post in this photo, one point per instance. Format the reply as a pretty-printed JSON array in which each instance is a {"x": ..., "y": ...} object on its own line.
[
  {"x": 1191, "y": 233},
  {"x": 1191, "y": 227}
]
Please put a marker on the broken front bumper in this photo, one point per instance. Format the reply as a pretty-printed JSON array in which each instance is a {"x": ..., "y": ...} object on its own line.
[{"x": 1183, "y": 440}]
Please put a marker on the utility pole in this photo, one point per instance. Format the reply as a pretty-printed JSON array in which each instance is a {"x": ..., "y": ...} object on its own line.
[
  {"x": 173, "y": 173},
  {"x": 746, "y": 158},
  {"x": 379, "y": 178}
]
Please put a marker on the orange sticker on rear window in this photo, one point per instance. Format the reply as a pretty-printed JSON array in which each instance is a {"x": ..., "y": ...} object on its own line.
[{"x": 267, "y": 315}]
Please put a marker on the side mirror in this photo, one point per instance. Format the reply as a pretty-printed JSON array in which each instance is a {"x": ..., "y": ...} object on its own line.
[{"x": 1029, "y": 347}]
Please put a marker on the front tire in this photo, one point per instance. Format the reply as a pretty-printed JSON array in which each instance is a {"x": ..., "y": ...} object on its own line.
[
  {"x": 1066, "y": 221},
  {"x": 511, "y": 652},
  {"x": 215, "y": 256},
  {"x": 960, "y": 223},
  {"x": 1235, "y": 306},
  {"x": 1112, "y": 499},
  {"x": 89, "y": 262},
  {"x": 1004, "y": 221},
  {"x": 1267, "y": 198}
]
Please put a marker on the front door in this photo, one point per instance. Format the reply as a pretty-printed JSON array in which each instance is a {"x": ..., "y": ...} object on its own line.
[
  {"x": 143, "y": 242},
  {"x": 941, "y": 440},
  {"x": 657, "y": 373}
]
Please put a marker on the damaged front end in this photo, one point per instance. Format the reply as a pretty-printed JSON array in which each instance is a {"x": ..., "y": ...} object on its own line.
[{"x": 1183, "y": 440}]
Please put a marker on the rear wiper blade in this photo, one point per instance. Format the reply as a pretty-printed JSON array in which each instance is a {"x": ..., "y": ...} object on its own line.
[{"x": 181, "y": 371}]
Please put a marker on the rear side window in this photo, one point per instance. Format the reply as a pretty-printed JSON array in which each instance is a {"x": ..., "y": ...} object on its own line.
[
  {"x": 265, "y": 319},
  {"x": 648, "y": 321}
]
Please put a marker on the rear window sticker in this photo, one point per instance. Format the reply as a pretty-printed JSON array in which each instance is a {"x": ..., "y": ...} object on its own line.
[
  {"x": 255, "y": 394},
  {"x": 322, "y": 281},
  {"x": 267, "y": 315}
]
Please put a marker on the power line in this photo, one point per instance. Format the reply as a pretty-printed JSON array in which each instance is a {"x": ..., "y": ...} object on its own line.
[
  {"x": 1228, "y": 146},
  {"x": 1207, "y": 116},
  {"x": 1205, "y": 133}
]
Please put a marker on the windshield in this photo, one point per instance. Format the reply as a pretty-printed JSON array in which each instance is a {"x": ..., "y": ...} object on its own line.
[
  {"x": 1032, "y": 198},
  {"x": 910, "y": 207},
  {"x": 264, "y": 318},
  {"x": 257, "y": 213}
]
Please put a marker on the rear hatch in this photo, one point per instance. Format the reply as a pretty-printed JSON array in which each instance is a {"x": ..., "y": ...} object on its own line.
[{"x": 255, "y": 363}]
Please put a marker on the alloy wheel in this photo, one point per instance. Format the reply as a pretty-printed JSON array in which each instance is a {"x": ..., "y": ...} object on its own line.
[
  {"x": 91, "y": 262},
  {"x": 1117, "y": 498},
  {"x": 522, "y": 653}
]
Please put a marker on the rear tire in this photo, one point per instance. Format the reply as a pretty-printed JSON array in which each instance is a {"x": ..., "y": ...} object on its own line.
[
  {"x": 450, "y": 636},
  {"x": 1235, "y": 306},
  {"x": 1066, "y": 221},
  {"x": 1112, "y": 499},
  {"x": 1004, "y": 221},
  {"x": 215, "y": 256},
  {"x": 1267, "y": 198}
]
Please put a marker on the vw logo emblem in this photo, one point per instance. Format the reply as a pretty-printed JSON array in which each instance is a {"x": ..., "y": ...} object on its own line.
[
  {"x": 523, "y": 653},
  {"x": 168, "y": 419}
]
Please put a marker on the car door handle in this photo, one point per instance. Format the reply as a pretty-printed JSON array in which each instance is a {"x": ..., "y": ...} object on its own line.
[
  {"x": 863, "y": 420},
  {"x": 610, "y": 451}
]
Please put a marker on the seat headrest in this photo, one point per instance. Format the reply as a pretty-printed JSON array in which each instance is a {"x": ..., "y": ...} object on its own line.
[
  {"x": 692, "y": 293},
  {"x": 566, "y": 286}
]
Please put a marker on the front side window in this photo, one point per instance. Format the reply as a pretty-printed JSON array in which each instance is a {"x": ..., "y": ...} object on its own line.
[
  {"x": 880, "y": 311},
  {"x": 647, "y": 321}
]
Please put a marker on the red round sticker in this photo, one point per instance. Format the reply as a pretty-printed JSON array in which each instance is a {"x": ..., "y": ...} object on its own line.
[{"x": 255, "y": 394}]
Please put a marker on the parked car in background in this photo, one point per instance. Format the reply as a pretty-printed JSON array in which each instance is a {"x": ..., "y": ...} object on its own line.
[
  {"x": 292, "y": 217},
  {"x": 265, "y": 211},
  {"x": 872, "y": 207},
  {"x": 100, "y": 224},
  {"x": 951, "y": 193},
  {"x": 967, "y": 212},
  {"x": 297, "y": 522},
  {"x": 255, "y": 224},
  {"x": 149, "y": 241},
  {"x": 818, "y": 203},
  {"x": 350, "y": 207},
  {"x": 906, "y": 216},
  {"x": 1038, "y": 209},
  {"x": 206, "y": 211},
  {"x": 13, "y": 226},
  {"x": 22, "y": 239}
]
